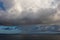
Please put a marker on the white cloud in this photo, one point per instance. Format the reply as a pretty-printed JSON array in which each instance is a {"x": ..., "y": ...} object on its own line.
[{"x": 32, "y": 9}]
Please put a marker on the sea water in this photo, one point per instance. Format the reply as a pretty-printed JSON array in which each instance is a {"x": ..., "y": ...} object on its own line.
[{"x": 30, "y": 29}]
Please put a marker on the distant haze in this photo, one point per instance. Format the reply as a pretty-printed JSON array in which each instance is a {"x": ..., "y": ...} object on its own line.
[{"x": 16, "y": 12}]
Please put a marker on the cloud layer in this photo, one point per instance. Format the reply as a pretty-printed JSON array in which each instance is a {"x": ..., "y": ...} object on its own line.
[{"x": 29, "y": 11}]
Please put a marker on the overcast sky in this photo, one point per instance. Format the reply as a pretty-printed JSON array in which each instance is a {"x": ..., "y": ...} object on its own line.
[{"x": 19, "y": 11}]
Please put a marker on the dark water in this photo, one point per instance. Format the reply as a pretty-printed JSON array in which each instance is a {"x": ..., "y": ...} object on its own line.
[
  {"x": 33, "y": 36},
  {"x": 29, "y": 37}
]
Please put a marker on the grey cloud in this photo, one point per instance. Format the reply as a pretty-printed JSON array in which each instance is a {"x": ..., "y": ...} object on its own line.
[{"x": 26, "y": 16}]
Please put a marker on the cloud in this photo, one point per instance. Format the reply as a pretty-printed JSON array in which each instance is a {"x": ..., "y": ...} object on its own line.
[{"x": 29, "y": 12}]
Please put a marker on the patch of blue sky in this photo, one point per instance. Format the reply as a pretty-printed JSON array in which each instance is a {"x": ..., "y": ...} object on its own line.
[{"x": 2, "y": 6}]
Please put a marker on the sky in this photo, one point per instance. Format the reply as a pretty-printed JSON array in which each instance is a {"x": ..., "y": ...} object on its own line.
[{"x": 29, "y": 11}]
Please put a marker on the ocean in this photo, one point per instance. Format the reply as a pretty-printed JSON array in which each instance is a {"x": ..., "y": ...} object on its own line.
[{"x": 37, "y": 32}]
